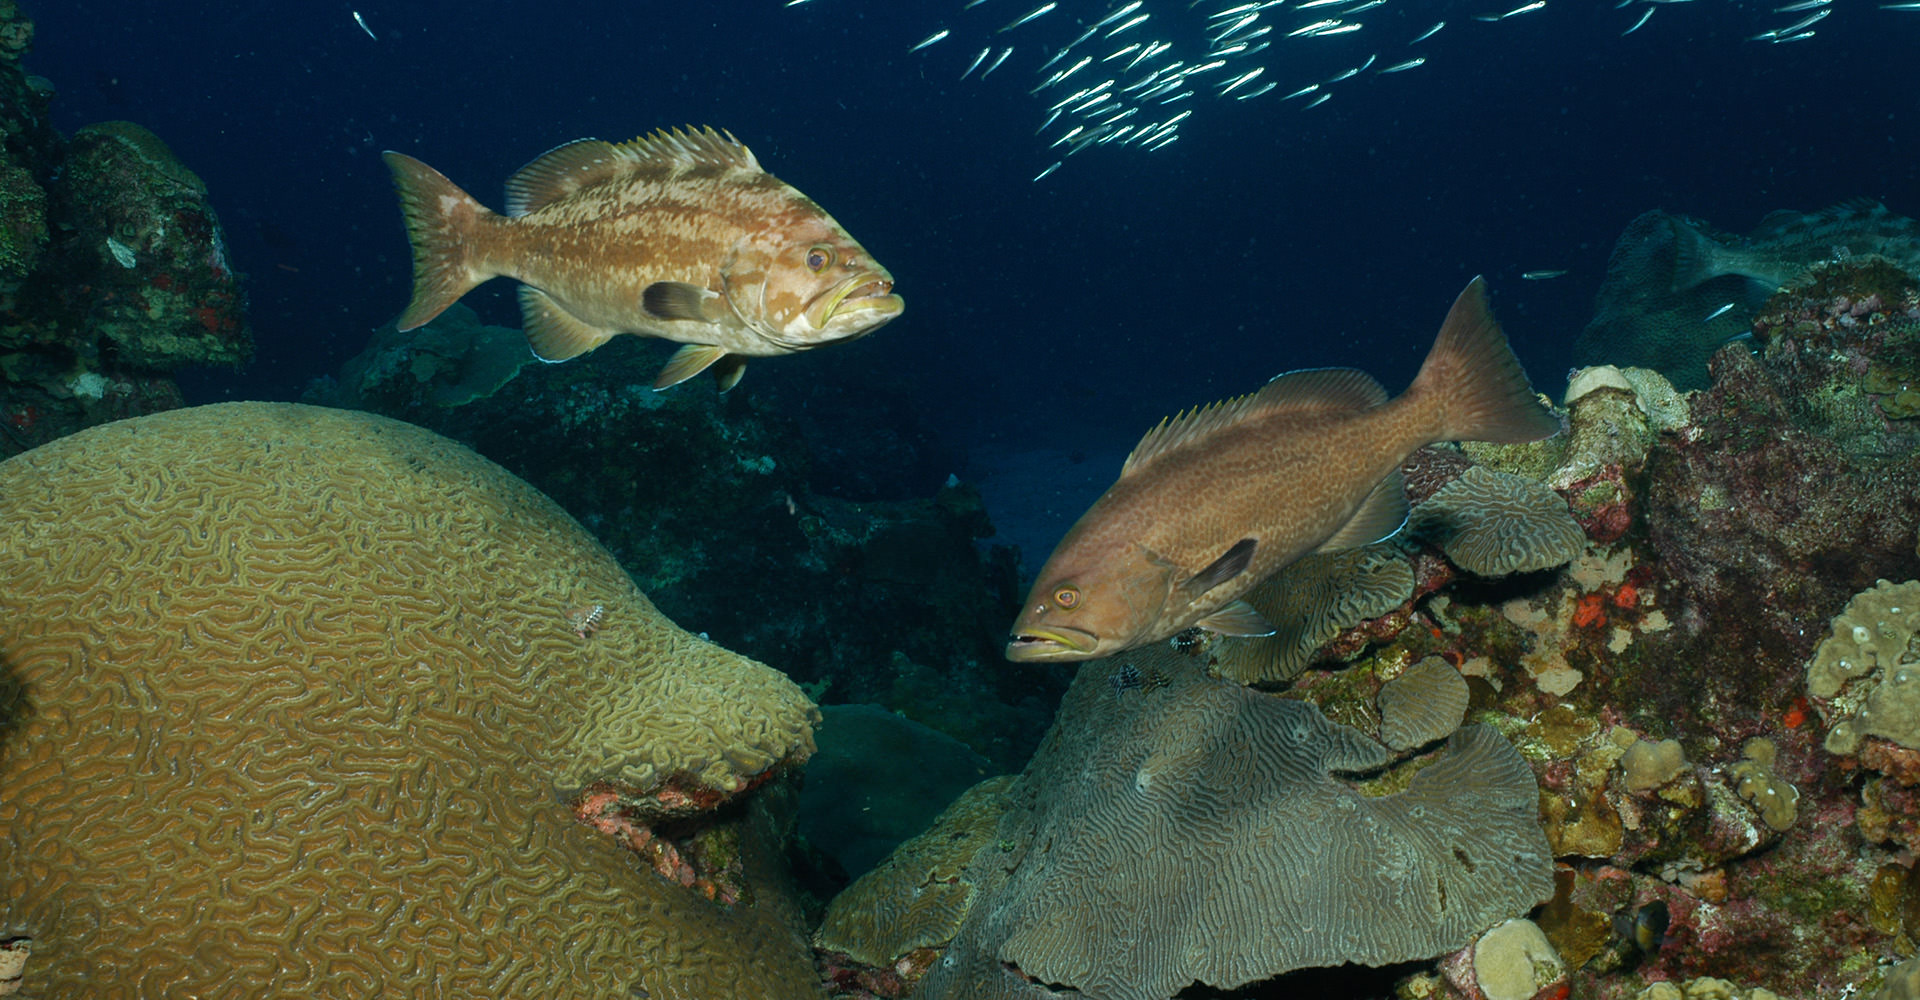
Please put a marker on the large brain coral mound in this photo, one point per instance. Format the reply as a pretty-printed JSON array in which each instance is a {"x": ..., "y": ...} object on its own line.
[
  {"x": 1177, "y": 828},
  {"x": 298, "y": 702}
]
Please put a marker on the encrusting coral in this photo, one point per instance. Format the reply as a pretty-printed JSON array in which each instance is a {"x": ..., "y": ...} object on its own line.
[
  {"x": 1494, "y": 524},
  {"x": 298, "y": 702},
  {"x": 917, "y": 898},
  {"x": 1175, "y": 828},
  {"x": 1310, "y": 602},
  {"x": 1424, "y": 703}
]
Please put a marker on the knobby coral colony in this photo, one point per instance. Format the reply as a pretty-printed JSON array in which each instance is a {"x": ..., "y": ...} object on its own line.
[{"x": 1729, "y": 799}]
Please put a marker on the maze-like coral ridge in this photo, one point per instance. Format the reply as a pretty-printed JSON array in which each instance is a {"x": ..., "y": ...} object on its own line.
[{"x": 290, "y": 707}]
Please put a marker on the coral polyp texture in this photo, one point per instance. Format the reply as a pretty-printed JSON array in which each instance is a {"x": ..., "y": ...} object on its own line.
[
  {"x": 1183, "y": 828},
  {"x": 291, "y": 705},
  {"x": 1309, "y": 603},
  {"x": 1493, "y": 524},
  {"x": 1865, "y": 676}
]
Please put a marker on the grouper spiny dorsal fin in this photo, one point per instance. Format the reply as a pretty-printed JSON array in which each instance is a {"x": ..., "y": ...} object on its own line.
[
  {"x": 564, "y": 170},
  {"x": 1306, "y": 391}
]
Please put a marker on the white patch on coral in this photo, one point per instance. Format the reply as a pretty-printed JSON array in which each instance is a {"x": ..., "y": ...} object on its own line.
[
  {"x": 88, "y": 385},
  {"x": 1558, "y": 680},
  {"x": 1619, "y": 640},
  {"x": 122, "y": 253}
]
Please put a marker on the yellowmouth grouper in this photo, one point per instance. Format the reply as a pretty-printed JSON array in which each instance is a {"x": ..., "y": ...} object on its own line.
[
  {"x": 678, "y": 235},
  {"x": 1214, "y": 501}
]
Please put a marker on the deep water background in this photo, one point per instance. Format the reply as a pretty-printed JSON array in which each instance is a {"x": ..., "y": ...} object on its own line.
[{"x": 1048, "y": 324}]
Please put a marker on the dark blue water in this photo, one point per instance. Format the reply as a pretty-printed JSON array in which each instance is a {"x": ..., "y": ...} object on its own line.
[{"x": 1064, "y": 315}]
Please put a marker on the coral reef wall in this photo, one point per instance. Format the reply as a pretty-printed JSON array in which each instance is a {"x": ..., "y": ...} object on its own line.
[{"x": 113, "y": 267}]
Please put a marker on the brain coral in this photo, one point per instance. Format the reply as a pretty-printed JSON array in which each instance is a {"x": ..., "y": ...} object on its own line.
[
  {"x": 298, "y": 702},
  {"x": 1494, "y": 523},
  {"x": 1424, "y": 703},
  {"x": 1309, "y": 603},
  {"x": 917, "y": 897},
  {"x": 1188, "y": 828}
]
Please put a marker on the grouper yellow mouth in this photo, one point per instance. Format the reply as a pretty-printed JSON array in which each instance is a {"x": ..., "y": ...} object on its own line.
[
  {"x": 1051, "y": 644},
  {"x": 860, "y": 293}
]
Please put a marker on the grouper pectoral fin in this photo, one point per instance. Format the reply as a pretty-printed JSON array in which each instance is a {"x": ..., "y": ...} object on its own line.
[
  {"x": 676, "y": 300},
  {"x": 1380, "y": 515},
  {"x": 1225, "y": 568},
  {"x": 554, "y": 333},
  {"x": 689, "y": 361},
  {"x": 1237, "y": 619}
]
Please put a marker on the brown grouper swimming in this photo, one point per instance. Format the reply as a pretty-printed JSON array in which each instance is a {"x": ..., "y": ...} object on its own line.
[
  {"x": 1214, "y": 501},
  {"x": 679, "y": 235}
]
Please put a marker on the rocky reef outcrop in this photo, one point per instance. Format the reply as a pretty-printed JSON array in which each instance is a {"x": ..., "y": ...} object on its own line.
[{"x": 113, "y": 267}]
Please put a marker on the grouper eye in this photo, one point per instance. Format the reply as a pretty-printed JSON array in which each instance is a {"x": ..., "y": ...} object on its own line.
[
  {"x": 1066, "y": 597},
  {"x": 818, "y": 258}
]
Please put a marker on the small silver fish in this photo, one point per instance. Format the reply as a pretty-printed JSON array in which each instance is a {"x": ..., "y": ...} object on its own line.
[
  {"x": 1541, "y": 275},
  {"x": 1256, "y": 92},
  {"x": 1039, "y": 11},
  {"x": 1242, "y": 79},
  {"x": 977, "y": 60},
  {"x": 1648, "y": 13},
  {"x": 1002, "y": 57},
  {"x": 1116, "y": 15},
  {"x": 1042, "y": 175},
  {"x": 930, "y": 39},
  {"x": 1404, "y": 66},
  {"x": 1717, "y": 313},
  {"x": 1429, "y": 33}
]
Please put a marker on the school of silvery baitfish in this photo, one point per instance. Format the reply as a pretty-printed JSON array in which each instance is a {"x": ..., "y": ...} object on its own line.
[{"x": 1125, "y": 74}]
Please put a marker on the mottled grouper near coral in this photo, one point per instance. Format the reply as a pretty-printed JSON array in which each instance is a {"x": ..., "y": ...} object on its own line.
[
  {"x": 679, "y": 235},
  {"x": 1787, "y": 244},
  {"x": 1218, "y": 499}
]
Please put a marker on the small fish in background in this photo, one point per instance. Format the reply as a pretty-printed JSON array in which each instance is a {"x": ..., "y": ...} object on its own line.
[
  {"x": 1546, "y": 275},
  {"x": 678, "y": 235},
  {"x": 1214, "y": 501},
  {"x": 1786, "y": 244}
]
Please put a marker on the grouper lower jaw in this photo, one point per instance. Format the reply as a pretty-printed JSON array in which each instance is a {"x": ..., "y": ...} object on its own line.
[
  {"x": 864, "y": 302},
  {"x": 1044, "y": 644}
]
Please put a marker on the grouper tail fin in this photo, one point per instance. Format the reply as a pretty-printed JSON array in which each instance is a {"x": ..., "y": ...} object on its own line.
[
  {"x": 441, "y": 223},
  {"x": 1472, "y": 383}
]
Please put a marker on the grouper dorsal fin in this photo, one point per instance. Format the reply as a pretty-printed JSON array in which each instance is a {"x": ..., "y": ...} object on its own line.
[
  {"x": 689, "y": 147},
  {"x": 1307, "y": 391},
  {"x": 564, "y": 170},
  {"x": 561, "y": 171}
]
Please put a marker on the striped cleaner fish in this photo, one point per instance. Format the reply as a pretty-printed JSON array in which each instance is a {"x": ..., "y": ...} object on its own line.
[
  {"x": 678, "y": 235},
  {"x": 1214, "y": 501}
]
